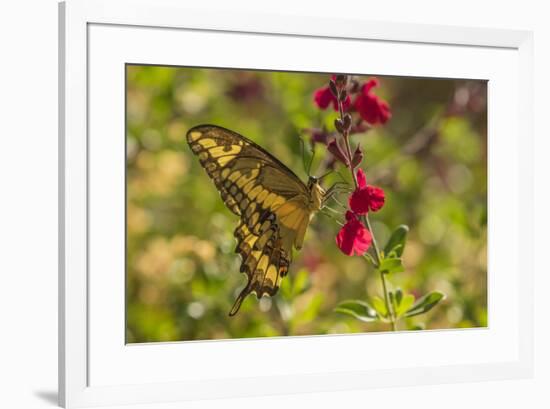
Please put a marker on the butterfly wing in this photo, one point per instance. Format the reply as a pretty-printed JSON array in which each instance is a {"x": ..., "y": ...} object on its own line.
[{"x": 272, "y": 202}]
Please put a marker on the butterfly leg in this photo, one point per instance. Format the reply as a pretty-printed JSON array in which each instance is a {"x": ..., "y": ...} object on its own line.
[
  {"x": 331, "y": 215},
  {"x": 335, "y": 189}
]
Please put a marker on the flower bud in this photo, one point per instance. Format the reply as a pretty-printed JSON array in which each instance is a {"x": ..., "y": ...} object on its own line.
[
  {"x": 347, "y": 122},
  {"x": 357, "y": 157},
  {"x": 338, "y": 153},
  {"x": 343, "y": 95},
  {"x": 333, "y": 89},
  {"x": 341, "y": 80},
  {"x": 339, "y": 125}
]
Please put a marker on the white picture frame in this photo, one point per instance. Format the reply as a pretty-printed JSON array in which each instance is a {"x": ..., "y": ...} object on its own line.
[{"x": 97, "y": 368}]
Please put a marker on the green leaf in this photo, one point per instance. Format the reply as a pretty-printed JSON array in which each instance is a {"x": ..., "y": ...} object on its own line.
[
  {"x": 398, "y": 296},
  {"x": 359, "y": 309},
  {"x": 391, "y": 265},
  {"x": 379, "y": 306},
  {"x": 425, "y": 304},
  {"x": 406, "y": 303},
  {"x": 397, "y": 240}
]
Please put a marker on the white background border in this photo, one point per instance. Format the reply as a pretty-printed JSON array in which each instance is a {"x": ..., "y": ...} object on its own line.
[
  {"x": 29, "y": 261},
  {"x": 111, "y": 362},
  {"x": 79, "y": 257},
  {"x": 78, "y": 286}
]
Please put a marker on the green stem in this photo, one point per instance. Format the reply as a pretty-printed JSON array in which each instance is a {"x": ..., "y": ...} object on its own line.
[
  {"x": 389, "y": 306},
  {"x": 374, "y": 242},
  {"x": 387, "y": 301}
]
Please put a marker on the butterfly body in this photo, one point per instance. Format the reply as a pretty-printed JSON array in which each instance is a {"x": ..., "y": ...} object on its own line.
[
  {"x": 274, "y": 205},
  {"x": 318, "y": 194}
]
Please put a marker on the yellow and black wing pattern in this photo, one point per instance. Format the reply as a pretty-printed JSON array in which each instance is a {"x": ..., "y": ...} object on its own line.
[{"x": 270, "y": 199}]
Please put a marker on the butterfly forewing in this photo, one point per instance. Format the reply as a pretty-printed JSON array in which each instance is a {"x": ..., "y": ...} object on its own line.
[{"x": 272, "y": 202}]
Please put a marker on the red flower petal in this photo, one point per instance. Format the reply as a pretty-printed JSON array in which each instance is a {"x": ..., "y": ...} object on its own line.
[
  {"x": 370, "y": 107},
  {"x": 359, "y": 201},
  {"x": 370, "y": 84},
  {"x": 361, "y": 178},
  {"x": 357, "y": 157},
  {"x": 376, "y": 198},
  {"x": 323, "y": 97},
  {"x": 365, "y": 197},
  {"x": 353, "y": 238}
]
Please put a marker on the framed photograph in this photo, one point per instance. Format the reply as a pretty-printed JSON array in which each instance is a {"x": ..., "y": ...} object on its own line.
[{"x": 317, "y": 205}]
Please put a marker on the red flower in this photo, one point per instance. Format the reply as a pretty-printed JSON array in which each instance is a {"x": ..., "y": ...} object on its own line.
[
  {"x": 371, "y": 108},
  {"x": 365, "y": 197},
  {"x": 323, "y": 97},
  {"x": 353, "y": 237}
]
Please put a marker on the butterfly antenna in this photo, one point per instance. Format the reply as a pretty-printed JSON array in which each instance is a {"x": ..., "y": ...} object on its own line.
[
  {"x": 303, "y": 150},
  {"x": 311, "y": 161},
  {"x": 307, "y": 168},
  {"x": 339, "y": 203},
  {"x": 331, "y": 216}
]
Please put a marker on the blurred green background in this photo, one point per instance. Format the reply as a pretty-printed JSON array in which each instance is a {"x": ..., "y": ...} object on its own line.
[{"x": 182, "y": 274}]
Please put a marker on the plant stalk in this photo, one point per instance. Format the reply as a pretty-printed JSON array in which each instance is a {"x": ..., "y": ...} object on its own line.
[
  {"x": 378, "y": 258},
  {"x": 387, "y": 302}
]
